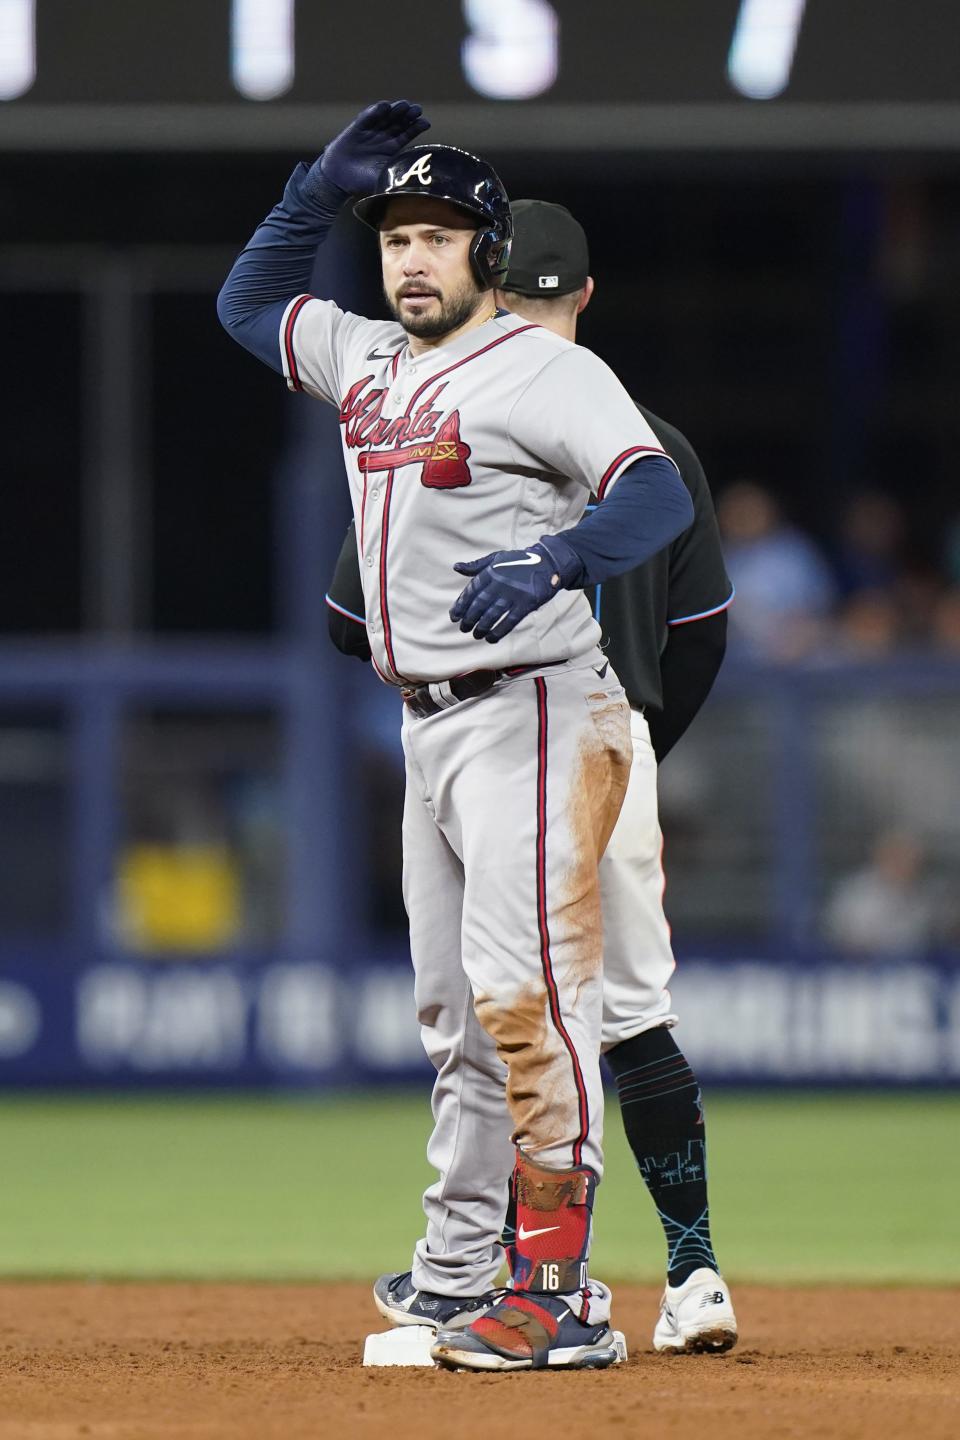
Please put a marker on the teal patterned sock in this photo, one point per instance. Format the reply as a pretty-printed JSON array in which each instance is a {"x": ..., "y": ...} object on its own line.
[{"x": 663, "y": 1120}]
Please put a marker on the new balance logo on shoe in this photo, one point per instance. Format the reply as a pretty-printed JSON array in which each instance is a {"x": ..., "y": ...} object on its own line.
[{"x": 696, "y": 1319}]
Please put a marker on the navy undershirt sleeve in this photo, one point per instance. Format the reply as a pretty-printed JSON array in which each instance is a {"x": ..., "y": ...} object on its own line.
[
  {"x": 648, "y": 508},
  {"x": 276, "y": 263}
]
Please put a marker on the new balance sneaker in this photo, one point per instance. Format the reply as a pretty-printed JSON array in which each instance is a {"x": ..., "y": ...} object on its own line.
[
  {"x": 526, "y": 1331},
  {"x": 400, "y": 1302},
  {"x": 696, "y": 1317}
]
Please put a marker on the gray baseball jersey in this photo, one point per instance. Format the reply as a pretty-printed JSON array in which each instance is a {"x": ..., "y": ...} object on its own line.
[{"x": 482, "y": 444}]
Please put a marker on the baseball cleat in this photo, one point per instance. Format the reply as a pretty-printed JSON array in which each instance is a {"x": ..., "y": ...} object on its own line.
[
  {"x": 696, "y": 1317},
  {"x": 525, "y": 1331},
  {"x": 400, "y": 1302}
]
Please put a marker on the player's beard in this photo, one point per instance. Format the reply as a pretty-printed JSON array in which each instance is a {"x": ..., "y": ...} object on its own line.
[{"x": 454, "y": 310}]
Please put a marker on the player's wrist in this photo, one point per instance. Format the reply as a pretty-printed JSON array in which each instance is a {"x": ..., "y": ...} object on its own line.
[
  {"x": 321, "y": 192},
  {"x": 565, "y": 560}
]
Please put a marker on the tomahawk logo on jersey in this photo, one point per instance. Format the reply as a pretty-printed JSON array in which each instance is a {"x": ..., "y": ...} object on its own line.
[{"x": 423, "y": 438}]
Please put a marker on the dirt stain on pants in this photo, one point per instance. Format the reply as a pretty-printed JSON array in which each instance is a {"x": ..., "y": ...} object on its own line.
[{"x": 541, "y": 1092}]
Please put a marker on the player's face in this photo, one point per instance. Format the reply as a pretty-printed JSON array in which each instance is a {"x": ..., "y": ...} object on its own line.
[{"x": 427, "y": 279}]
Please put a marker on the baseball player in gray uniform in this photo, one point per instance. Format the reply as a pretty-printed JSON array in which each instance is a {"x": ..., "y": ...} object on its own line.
[
  {"x": 468, "y": 432},
  {"x": 664, "y": 629}
]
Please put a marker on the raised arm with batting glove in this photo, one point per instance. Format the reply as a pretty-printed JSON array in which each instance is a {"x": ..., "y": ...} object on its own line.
[{"x": 277, "y": 261}]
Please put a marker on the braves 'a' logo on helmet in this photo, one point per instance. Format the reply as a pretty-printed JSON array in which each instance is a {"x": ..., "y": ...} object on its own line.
[
  {"x": 443, "y": 172},
  {"x": 420, "y": 170}
]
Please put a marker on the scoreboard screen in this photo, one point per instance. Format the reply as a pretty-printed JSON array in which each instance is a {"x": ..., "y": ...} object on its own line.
[{"x": 536, "y": 73}]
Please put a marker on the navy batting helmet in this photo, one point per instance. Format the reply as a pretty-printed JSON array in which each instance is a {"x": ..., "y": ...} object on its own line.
[{"x": 446, "y": 173}]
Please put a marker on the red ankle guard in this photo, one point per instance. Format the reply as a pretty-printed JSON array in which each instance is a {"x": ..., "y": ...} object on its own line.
[{"x": 553, "y": 1227}]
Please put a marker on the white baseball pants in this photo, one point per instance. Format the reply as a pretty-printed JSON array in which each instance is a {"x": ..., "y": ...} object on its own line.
[{"x": 637, "y": 956}]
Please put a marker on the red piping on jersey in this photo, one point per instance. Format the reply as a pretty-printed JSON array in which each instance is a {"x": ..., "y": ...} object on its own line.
[
  {"x": 385, "y": 678},
  {"x": 625, "y": 455},
  {"x": 288, "y": 341},
  {"x": 363, "y": 510},
  {"x": 384, "y": 611},
  {"x": 465, "y": 361},
  {"x": 431, "y": 380},
  {"x": 545, "y": 960}
]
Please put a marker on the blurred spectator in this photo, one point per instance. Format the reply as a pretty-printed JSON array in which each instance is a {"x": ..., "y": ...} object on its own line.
[
  {"x": 867, "y": 628},
  {"x": 784, "y": 586},
  {"x": 945, "y": 629},
  {"x": 917, "y": 595},
  {"x": 871, "y": 539},
  {"x": 887, "y": 909}
]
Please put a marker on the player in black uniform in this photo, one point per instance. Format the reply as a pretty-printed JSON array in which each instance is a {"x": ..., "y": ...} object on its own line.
[{"x": 664, "y": 628}]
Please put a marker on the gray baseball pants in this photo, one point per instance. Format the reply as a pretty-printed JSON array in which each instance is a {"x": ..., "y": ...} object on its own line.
[{"x": 511, "y": 800}]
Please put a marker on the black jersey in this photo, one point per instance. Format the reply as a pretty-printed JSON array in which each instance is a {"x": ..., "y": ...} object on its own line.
[{"x": 685, "y": 581}]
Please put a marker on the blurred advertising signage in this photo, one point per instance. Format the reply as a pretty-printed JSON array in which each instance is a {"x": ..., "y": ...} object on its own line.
[
  {"x": 265, "y": 55},
  {"x": 856, "y": 1021},
  {"x": 272, "y": 1018},
  {"x": 742, "y": 1021},
  {"x": 20, "y": 1020},
  {"x": 279, "y": 1019}
]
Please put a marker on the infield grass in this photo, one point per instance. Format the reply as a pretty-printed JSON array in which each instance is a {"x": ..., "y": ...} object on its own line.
[{"x": 810, "y": 1188}]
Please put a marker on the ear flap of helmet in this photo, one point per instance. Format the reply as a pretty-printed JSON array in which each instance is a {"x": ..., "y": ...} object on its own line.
[{"x": 490, "y": 257}]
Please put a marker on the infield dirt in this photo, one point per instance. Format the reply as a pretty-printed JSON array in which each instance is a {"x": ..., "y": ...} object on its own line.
[{"x": 260, "y": 1362}]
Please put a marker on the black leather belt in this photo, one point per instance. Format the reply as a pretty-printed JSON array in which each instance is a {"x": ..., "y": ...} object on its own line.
[{"x": 426, "y": 700}]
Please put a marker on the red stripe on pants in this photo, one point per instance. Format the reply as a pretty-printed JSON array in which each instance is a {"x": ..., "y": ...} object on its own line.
[{"x": 545, "y": 961}]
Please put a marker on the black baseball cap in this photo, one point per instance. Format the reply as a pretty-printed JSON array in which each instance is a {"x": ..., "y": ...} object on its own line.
[{"x": 549, "y": 254}]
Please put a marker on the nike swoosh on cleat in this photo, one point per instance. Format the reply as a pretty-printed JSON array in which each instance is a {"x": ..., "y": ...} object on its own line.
[
  {"x": 530, "y": 560},
  {"x": 523, "y": 1234}
]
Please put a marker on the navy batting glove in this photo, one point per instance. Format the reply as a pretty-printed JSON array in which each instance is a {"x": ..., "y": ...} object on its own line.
[
  {"x": 355, "y": 158},
  {"x": 508, "y": 585}
]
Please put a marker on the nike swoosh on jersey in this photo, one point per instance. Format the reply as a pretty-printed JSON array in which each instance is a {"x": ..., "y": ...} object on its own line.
[
  {"x": 377, "y": 355},
  {"x": 530, "y": 560},
  {"x": 523, "y": 1234}
]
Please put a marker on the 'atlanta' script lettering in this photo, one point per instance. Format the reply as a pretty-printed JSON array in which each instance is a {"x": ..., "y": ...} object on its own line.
[{"x": 364, "y": 424}]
